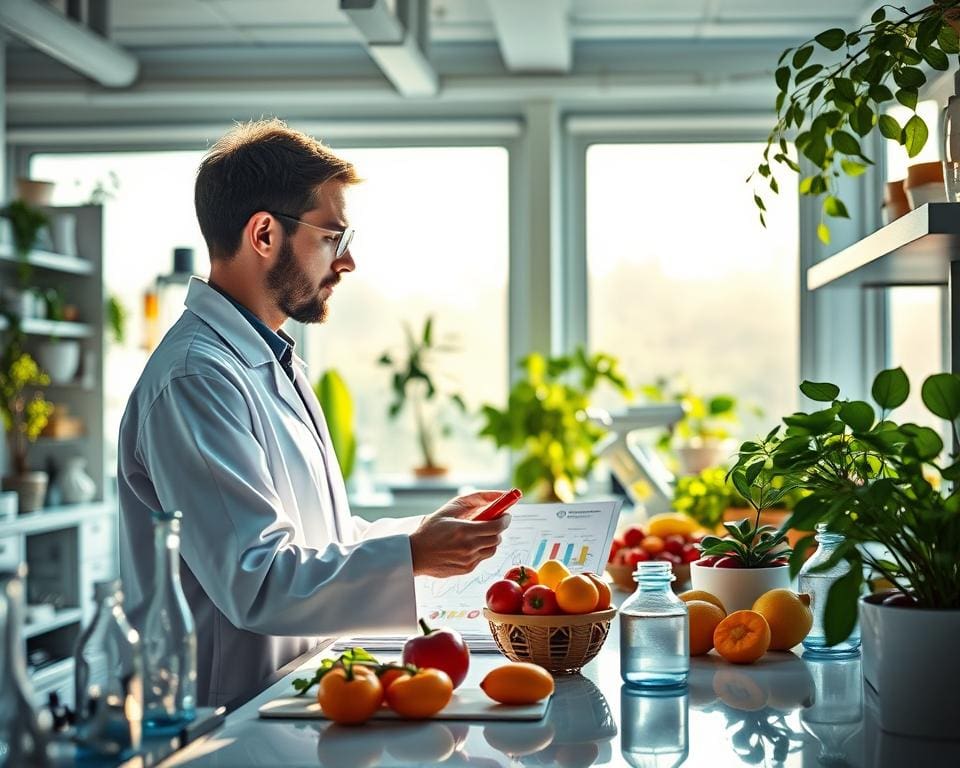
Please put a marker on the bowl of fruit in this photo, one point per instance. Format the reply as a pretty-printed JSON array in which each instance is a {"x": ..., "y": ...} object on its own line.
[
  {"x": 670, "y": 537},
  {"x": 549, "y": 616}
]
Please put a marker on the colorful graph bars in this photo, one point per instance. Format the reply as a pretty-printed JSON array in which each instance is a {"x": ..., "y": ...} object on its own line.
[{"x": 542, "y": 555}]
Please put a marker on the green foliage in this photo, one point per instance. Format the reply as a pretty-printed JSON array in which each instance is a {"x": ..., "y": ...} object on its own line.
[
  {"x": 414, "y": 378},
  {"x": 337, "y": 405},
  {"x": 706, "y": 496},
  {"x": 832, "y": 90},
  {"x": 545, "y": 420},
  {"x": 26, "y": 223},
  {"x": 24, "y": 414},
  {"x": 874, "y": 481},
  {"x": 116, "y": 315},
  {"x": 757, "y": 546}
]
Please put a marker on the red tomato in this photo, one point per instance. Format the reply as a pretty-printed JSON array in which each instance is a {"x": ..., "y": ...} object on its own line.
[
  {"x": 442, "y": 649},
  {"x": 635, "y": 556},
  {"x": 505, "y": 596},
  {"x": 708, "y": 561},
  {"x": 617, "y": 545},
  {"x": 729, "y": 561},
  {"x": 524, "y": 575},
  {"x": 690, "y": 553},
  {"x": 540, "y": 600},
  {"x": 674, "y": 543},
  {"x": 633, "y": 536},
  {"x": 670, "y": 558}
]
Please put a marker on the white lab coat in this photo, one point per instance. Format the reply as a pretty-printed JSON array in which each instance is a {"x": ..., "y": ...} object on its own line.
[{"x": 270, "y": 554}]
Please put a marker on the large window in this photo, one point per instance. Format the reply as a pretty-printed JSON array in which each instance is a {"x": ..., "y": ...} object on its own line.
[
  {"x": 432, "y": 241},
  {"x": 683, "y": 280}
]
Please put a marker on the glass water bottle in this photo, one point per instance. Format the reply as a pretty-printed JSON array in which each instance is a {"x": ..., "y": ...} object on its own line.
[
  {"x": 22, "y": 742},
  {"x": 169, "y": 636},
  {"x": 109, "y": 678},
  {"x": 817, "y": 584},
  {"x": 654, "y": 634}
]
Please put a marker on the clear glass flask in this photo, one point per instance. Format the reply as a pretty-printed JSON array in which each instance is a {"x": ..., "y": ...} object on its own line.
[
  {"x": 22, "y": 742},
  {"x": 108, "y": 679},
  {"x": 654, "y": 634},
  {"x": 169, "y": 637},
  {"x": 656, "y": 730},
  {"x": 817, "y": 584}
]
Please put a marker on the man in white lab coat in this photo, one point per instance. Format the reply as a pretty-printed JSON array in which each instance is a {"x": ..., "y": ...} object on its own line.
[{"x": 223, "y": 425}]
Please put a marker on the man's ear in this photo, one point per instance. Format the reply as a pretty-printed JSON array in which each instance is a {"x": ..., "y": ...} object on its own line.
[{"x": 262, "y": 233}]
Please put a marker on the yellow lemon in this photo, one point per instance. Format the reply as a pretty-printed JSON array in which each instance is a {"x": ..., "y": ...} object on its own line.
[
  {"x": 788, "y": 615},
  {"x": 707, "y": 597},
  {"x": 670, "y": 524},
  {"x": 552, "y": 573}
]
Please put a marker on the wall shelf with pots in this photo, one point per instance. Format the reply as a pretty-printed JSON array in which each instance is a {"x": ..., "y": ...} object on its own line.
[
  {"x": 916, "y": 249},
  {"x": 67, "y": 547}
]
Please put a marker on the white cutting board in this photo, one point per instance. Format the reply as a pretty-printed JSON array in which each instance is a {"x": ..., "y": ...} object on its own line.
[{"x": 466, "y": 704}]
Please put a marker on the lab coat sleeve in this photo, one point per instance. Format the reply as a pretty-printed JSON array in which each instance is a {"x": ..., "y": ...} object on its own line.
[
  {"x": 199, "y": 446},
  {"x": 385, "y": 526}
]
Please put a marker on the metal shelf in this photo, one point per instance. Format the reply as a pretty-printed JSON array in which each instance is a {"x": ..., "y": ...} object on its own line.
[
  {"x": 61, "y": 619},
  {"x": 54, "y": 518},
  {"x": 56, "y": 262},
  {"x": 916, "y": 249},
  {"x": 37, "y": 327}
]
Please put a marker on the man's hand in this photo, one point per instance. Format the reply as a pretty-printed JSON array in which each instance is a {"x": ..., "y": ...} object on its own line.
[{"x": 449, "y": 542}]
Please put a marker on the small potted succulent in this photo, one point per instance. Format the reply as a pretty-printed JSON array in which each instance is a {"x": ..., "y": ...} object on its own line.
[{"x": 751, "y": 560}]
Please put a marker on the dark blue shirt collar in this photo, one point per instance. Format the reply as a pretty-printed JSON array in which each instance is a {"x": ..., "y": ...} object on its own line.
[{"x": 281, "y": 347}]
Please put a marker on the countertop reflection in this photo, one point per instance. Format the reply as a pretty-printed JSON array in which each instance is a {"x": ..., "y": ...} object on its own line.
[{"x": 785, "y": 710}]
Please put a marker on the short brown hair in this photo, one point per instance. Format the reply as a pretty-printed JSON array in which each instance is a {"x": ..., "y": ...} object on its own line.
[{"x": 260, "y": 166}]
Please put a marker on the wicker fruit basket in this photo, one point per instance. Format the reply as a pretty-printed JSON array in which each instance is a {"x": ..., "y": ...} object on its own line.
[{"x": 561, "y": 644}]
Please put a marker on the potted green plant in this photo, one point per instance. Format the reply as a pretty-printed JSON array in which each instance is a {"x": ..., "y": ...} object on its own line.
[
  {"x": 26, "y": 223},
  {"x": 24, "y": 416},
  {"x": 337, "y": 406},
  {"x": 116, "y": 315},
  {"x": 703, "y": 438},
  {"x": 706, "y": 496},
  {"x": 833, "y": 89},
  {"x": 545, "y": 420},
  {"x": 877, "y": 482},
  {"x": 415, "y": 380}
]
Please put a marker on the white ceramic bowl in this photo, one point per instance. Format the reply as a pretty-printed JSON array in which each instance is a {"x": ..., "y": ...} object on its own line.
[{"x": 738, "y": 588}]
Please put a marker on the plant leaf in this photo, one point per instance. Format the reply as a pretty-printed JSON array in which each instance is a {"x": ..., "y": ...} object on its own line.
[
  {"x": 840, "y": 614},
  {"x": 890, "y": 128},
  {"x": 908, "y": 97},
  {"x": 915, "y": 135},
  {"x": 823, "y": 233},
  {"x": 802, "y": 56},
  {"x": 833, "y": 206},
  {"x": 909, "y": 77},
  {"x": 890, "y": 388},
  {"x": 846, "y": 143},
  {"x": 822, "y": 392},
  {"x": 807, "y": 72},
  {"x": 941, "y": 395},
  {"x": 782, "y": 76},
  {"x": 832, "y": 39},
  {"x": 852, "y": 167},
  {"x": 858, "y": 415},
  {"x": 936, "y": 58},
  {"x": 948, "y": 40}
]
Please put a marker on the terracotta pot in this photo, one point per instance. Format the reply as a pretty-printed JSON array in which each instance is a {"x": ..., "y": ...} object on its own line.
[
  {"x": 426, "y": 471},
  {"x": 35, "y": 192},
  {"x": 924, "y": 184},
  {"x": 31, "y": 488},
  {"x": 910, "y": 662},
  {"x": 895, "y": 203}
]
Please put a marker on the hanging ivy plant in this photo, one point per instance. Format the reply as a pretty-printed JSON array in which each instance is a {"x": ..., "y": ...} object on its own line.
[{"x": 829, "y": 105}]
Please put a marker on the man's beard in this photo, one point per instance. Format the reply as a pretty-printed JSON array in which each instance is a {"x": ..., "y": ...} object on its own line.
[{"x": 291, "y": 288}]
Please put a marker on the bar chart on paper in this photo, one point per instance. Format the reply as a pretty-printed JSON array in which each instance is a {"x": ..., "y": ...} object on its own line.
[{"x": 578, "y": 535}]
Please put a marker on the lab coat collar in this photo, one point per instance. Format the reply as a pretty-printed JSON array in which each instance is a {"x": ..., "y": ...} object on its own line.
[{"x": 217, "y": 312}]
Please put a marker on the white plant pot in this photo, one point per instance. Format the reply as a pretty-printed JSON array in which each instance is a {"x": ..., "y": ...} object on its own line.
[
  {"x": 703, "y": 454},
  {"x": 739, "y": 588},
  {"x": 63, "y": 233},
  {"x": 934, "y": 192},
  {"x": 76, "y": 486},
  {"x": 60, "y": 360},
  {"x": 910, "y": 660}
]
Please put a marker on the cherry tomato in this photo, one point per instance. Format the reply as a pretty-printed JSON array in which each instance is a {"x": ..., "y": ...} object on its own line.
[
  {"x": 674, "y": 544},
  {"x": 730, "y": 561},
  {"x": 420, "y": 695},
  {"x": 708, "y": 561},
  {"x": 349, "y": 701},
  {"x": 617, "y": 545},
  {"x": 635, "y": 556},
  {"x": 633, "y": 536},
  {"x": 540, "y": 601},
  {"x": 670, "y": 557},
  {"x": 524, "y": 575},
  {"x": 390, "y": 675},
  {"x": 690, "y": 553},
  {"x": 505, "y": 596}
]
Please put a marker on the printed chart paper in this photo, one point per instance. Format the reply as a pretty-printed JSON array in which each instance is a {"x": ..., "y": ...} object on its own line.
[{"x": 578, "y": 535}]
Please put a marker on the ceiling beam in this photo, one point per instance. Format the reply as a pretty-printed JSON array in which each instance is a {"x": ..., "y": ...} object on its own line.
[
  {"x": 88, "y": 53},
  {"x": 534, "y": 35},
  {"x": 397, "y": 42}
]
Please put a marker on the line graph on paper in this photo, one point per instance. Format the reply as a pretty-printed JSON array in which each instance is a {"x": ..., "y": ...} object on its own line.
[{"x": 579, "y": 535}]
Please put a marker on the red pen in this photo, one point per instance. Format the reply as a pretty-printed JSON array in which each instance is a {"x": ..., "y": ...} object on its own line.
[{"x": 500, "y": 505}]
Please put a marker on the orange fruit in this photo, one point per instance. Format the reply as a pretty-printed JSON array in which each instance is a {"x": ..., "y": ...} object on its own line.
[
  {"x": 577, "y": 594},
  {"x": 652, "y": 545},
  {"x": 551, "y": 573},
  {"x": 518, "y": 683},
  {"x": 606, "y": 596},
  {"x": 740, "y": 690},
  {"x": 788, "y": 615},
  {"x": 704, "y": 618},
  {"x": 742, "y": 637},
  {"x": 707, "y": 597}
]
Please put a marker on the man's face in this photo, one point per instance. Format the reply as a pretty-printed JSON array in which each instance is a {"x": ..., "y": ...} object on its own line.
[{"x": 306, "y": 269}]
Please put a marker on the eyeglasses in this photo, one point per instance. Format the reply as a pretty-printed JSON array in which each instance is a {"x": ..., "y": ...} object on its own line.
[{"x": 344, "y": 236}]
